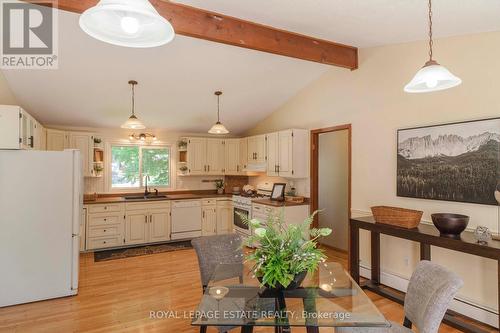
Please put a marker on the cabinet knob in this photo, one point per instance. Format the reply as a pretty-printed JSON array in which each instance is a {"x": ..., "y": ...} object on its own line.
[
  {"x": 105, "y": 219},
  {"x": 104, "y": 242},
  {"x": 104, "y": 230}
]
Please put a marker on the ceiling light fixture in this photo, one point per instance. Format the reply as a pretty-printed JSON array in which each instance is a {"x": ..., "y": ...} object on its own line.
[
  {"x": 142, "y": 137},
  {"x": 218, "y": 128},
  {"x": 433, "y": 76},
  {"x": 129, "y": 23},
  {"x": 133, "y": 122}
]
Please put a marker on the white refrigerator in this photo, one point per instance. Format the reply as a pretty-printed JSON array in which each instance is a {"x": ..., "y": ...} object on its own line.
[{"x": 40, "y": 210}]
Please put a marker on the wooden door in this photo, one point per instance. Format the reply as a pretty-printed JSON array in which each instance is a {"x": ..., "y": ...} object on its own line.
[
  {"x": 272, "y": 153},
  {"x": 209, "y": 221},
  {"x": 260, "y": 149},
  {"x": 197, "y": 156},
  {"x": 82, "y": 142},
  {"x": 232, "y": 157},
  {"x": 57, "y": 140},
  {"x": 159, "y": 225},
  {"x": 215, "y": 157},
  {"x": 285, "y": 153},
  {"x": 136, "y": 227},
  {"x": 224, "y": 218}
]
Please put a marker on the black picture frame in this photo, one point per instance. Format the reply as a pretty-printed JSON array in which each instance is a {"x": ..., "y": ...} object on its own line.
[
  {"x": 278, "y": 192},
  {"x": 442, "y": 183}
]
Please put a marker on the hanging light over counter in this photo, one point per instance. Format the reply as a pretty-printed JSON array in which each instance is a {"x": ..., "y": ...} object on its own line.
[
  {"x": 133, "y": 122},
  {"x": 129, "y": 23},
  {"x": 433, "y": 76},
  {"x": 218, "y": 128}
]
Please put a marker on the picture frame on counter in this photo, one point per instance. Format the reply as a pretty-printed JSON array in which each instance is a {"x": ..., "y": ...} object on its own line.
[{"x": 278, "y": 192}]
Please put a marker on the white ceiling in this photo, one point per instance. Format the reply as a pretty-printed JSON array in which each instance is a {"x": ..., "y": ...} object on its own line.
[
  {"x": 364, "y": 23},
  {"x": 176, "y": 81}
]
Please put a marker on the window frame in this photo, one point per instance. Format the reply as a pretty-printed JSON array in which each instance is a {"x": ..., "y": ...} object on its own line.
[{"x": 141, "y": 187}]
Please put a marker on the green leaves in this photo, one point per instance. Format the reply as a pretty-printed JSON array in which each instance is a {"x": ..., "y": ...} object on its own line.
[{"x": 283, "y": 250}]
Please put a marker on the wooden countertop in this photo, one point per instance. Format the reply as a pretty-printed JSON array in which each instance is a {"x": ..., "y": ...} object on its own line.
[
  {"x": 269, "y": 202},
  {"x": 181, "y": 196}
]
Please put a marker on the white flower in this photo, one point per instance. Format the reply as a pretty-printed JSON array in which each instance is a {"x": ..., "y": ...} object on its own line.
[{"x": 261, "y": 232}]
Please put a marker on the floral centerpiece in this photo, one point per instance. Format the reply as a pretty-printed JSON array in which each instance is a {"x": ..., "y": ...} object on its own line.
[{"x": 284, "y": 253}]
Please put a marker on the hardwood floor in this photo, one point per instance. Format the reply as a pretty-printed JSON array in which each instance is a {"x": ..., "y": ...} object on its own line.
[{"x": 118, "y": 295}]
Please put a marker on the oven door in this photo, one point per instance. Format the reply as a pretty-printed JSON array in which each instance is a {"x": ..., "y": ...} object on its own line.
[{"x": 239, "y": 225}]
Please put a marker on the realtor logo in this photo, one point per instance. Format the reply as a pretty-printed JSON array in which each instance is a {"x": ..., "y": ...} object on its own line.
[{"x": 29, "y": 35}]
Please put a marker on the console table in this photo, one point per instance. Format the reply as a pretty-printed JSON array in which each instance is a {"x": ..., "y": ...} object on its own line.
[{"x": 426, "y": 235}]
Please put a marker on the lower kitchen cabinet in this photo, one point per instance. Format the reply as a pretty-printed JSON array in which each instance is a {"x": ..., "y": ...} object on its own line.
[
  {"x": 105, "y": 226},
  {"x": 136, "y": 227},
  {"x": 209, "y": 221},
  {"x": 147, "y": 222},
  {"x": 224, "y": 216},
  {"x": 159, "y": 225}
]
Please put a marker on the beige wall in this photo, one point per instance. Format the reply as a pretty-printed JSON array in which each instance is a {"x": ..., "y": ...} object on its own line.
[
  {"x": 6, "y": 96},
  {"x": 372, "y": 100}
]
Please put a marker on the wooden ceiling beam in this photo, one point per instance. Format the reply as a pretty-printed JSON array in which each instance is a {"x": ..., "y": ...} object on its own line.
[{"x": 203, "y": 24}]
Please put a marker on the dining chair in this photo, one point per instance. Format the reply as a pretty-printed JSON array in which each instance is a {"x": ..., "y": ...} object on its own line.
[
  {"x": 213, "y": 251},
  {"x": 430, "y": 291}
]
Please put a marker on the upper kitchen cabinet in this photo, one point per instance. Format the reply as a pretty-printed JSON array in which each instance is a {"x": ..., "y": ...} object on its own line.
[
  {"x": 215, "y": 157},
  {"x": 232, "y": 157},
  {"x": 243, "y": 154},
  {"x": 256, "y": 149},
  {"x": 197, "y": 156},
  {"x": 287, "y": 153},
  {"x": 18, "y": 129},
  {"x": 57, "y": 140}
]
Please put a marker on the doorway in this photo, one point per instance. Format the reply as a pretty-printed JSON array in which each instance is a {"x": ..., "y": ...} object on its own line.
[{"x": 331, "y": 183}]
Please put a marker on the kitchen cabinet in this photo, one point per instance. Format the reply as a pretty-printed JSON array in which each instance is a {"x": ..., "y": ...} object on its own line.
[
  {"x": 224, "y": 216},
  {"x": 197, "y": 156},
  {"x": 147, "y": 222},
  {"x": 209, "y": 217},
  {"x": 215, "y": 157},
  {"x": 57, "y": 140},
  {"x": 243, "y": 154},
  {"x": 105, "y": 226},
  {"x": 287, "y": 153},
  {"x": 292, "y": 214},
  {"x": 18, "y": 129},
  {"x": 232, "y": 157},
  {"x": 256, "y": 151},
  {"x": 84, "y": 143}
]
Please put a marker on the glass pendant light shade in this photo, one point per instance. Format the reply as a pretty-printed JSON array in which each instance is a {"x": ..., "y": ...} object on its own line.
[
  {"x": 130, "y": 23},
  {"x": 218, "y": 128},
  {"x": 432, "y": 77},
  {"x": 133, "y": 123}
]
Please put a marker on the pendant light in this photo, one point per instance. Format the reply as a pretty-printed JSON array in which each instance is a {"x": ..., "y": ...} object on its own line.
[
  {"x": 133, "y": 122},
  {"x": 129, "y": 23},
  {"x": 433, "y": 76},
  {"x": 218, "y": 128}
]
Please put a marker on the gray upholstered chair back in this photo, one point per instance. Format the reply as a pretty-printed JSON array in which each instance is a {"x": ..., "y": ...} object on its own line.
[
  {"x": 430, "y": 291},
  {"x": 215, "y": 250}
]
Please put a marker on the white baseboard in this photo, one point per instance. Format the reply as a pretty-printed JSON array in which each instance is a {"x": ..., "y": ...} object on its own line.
[{"x": 465, "y": 307}]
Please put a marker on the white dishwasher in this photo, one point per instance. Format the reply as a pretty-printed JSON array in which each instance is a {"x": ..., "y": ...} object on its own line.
[{"x": 186, "y": 219}]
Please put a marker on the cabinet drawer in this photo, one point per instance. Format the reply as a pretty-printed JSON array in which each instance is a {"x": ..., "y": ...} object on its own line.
[
  {"x": 103, "y": 219},
  {"x": 104, "y": 208},
  {"x": 147, "y": 205},
  {"x": 101, "y": 243},
  {"x": 208, "y": 202},
  {"x": 105, "y": 231}
]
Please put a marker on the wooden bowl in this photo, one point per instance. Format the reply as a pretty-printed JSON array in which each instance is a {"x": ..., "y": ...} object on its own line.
[{"x": 450, "y": 225}]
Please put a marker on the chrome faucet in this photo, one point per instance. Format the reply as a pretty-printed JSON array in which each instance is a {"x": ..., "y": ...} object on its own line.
[{"x": 146, "y": 192}]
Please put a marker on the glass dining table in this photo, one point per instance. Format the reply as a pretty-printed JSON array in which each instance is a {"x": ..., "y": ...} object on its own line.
[{"x": 327, "y": 298}]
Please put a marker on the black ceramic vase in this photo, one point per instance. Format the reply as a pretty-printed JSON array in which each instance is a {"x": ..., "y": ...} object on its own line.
[{"x": 450, "y": 225}]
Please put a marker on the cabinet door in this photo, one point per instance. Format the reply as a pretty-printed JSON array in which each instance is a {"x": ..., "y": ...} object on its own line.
[
  {"x": 10, "y": 127},
  {"x": 215, "y": 157},
  {"x": 243, "y": 155},
  {"x": 159, "y": 225},
  {"x": 260, "y": 149},
  {"x": 251, "y": 149},
  {"x": 209, "y": 221},
  {"x": 27, "y": 130},
  {"x": 224, "y": 218},
  {"x": 272, "y": 154},
  {"x": 197, "y": 156},
  {"x": 285, "y": 153},
  {"x": 82, "y": 142},
  {"x": 232, "y": 156},
  {"x": 57, "y": 140},
  {"x": 136, "y": 227}
]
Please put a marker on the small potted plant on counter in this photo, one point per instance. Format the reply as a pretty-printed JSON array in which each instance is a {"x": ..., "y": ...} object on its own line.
[
  {"x": 219, "y": 185},
  {"x": 183, "y": 169},
  {"x": 284, "y": 254}
]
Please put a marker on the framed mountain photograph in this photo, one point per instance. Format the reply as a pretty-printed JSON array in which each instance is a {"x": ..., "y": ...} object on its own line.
[{"x": 452, "y": 162}]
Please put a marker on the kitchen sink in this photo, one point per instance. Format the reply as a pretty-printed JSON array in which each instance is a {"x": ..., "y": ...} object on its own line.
[{"x": 145, "y": 197}]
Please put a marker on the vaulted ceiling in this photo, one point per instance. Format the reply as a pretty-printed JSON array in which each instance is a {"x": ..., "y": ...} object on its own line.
[{"x": 177, "y": 81}]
